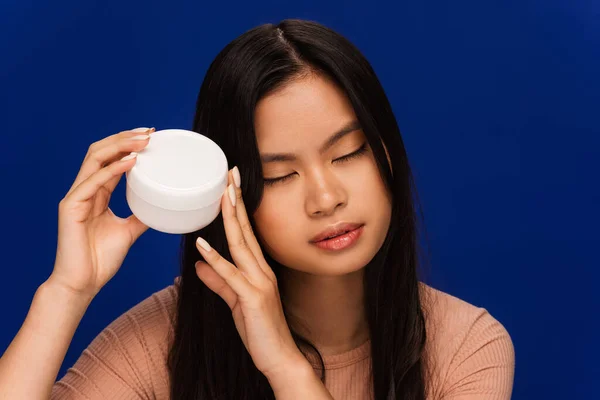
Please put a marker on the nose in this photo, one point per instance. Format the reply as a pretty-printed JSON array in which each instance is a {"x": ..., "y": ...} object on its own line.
[{"x": 326, "y": 194}]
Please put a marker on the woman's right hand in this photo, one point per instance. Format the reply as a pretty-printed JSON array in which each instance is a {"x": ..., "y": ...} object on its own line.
[{"x": 92, "y": 241}]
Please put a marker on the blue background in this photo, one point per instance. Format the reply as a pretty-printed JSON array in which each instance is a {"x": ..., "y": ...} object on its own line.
[{"x": 497, "y": 101}]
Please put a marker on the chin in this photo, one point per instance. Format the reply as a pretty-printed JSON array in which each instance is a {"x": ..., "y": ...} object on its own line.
[
  {"x": 327, "y": 270},
  {"x": 345, "y": 270},
  {"x": 334, "y": 265}
]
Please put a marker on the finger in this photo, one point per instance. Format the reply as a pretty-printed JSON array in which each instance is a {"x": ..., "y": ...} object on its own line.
[
  {"x": 105, "y": 192},
  {"x": 93, "y": 183},
  {"x": 238, "y": 247},
  {"x": 101, "y": 200},
  {"x": 215, "y": 283},
  {"x": 246, "y": 227},
  {"x": 108, "y": 150},
  {"x": 230, "y": 274},
  {"x": 112, "y": 183}
]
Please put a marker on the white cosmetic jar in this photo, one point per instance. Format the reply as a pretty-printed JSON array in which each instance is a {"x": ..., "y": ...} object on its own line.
[{"x": 177, "y": 181}]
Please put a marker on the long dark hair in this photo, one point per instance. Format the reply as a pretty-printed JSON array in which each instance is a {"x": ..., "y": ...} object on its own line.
[{"x": 207, "y": 358}]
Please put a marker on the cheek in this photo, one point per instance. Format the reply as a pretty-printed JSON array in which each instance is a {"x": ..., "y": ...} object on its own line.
[
  {"x": 274, "y": 221},
  {"x": 368, "y": 187},
  {"x": 373, "y": 202}
]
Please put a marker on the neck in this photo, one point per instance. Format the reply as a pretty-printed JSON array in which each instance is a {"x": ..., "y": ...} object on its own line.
[{"x": 329, "y": 311}]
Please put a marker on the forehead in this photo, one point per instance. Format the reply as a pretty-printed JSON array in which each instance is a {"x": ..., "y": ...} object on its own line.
[{"x": 305, "y": 111}]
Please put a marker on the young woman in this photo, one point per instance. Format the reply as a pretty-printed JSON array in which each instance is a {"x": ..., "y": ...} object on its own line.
[{"x": 266, "y": 306}]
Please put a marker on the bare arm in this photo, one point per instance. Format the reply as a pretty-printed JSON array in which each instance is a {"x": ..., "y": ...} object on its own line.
[
  {"x": 92, "y": 244},
  {"x": 38, "y": 350}
]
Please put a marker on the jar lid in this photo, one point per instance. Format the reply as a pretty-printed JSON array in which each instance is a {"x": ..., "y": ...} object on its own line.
[{"x": 179, "y": 170}]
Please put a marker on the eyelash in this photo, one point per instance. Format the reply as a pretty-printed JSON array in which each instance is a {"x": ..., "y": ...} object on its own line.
[{"x": 361, "y": 150}]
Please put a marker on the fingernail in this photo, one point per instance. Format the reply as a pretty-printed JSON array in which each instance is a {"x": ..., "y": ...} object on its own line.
[
  {"x": 203, "y": 243},
  {"x": 130, "y": 156},
  {"x": 140, "y": 129},
  {"x": 236, "y": 176},
  {"x": 140, "y": 137},
  {"x": 231, "y": 191}
]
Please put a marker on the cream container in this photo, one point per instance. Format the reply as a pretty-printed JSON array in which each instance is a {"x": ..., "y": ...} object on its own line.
[{"x": 177, "y": 181}]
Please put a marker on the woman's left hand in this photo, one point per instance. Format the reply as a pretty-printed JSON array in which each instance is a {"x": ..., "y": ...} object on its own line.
[{"x": 249, "y": 288}]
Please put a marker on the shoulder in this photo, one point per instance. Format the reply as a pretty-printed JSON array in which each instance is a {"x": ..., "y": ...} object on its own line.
[
  {"x": 128, "y": 359},
  {"x": 469, "y": 351},
  {"x": 149, "y": 322},
  {"x": 156, "y": 311}
]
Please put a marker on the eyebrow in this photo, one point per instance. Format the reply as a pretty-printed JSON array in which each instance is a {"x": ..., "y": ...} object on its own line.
[{"x": 279, "y": 157}]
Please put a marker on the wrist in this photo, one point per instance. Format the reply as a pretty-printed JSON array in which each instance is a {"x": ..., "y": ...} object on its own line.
[
  {"x": 297, "y": 370},
  {"x": 63, "y": 294},
  {"x": 298, "y": 381}
]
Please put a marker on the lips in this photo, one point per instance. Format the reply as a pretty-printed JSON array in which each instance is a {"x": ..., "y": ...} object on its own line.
[{"x": 336, "y": 230}]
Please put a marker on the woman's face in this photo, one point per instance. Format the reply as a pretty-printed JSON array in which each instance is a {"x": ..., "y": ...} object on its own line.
[{"x": 319, "y": 189}]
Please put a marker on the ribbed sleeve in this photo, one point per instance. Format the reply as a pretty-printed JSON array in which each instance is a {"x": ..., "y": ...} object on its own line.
[{"x": 482, "y": 362}]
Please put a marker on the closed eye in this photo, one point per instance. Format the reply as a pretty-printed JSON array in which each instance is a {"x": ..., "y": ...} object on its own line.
[
  {"x": 355, "y": 154},
  {"x": 361, "y": 150}
]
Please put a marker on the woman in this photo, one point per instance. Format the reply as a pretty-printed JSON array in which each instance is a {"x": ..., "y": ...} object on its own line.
[{"x": 267, "y": 307}]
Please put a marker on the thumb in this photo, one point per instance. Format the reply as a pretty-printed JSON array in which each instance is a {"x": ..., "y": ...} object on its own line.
[{"x": 136, "y": 227}]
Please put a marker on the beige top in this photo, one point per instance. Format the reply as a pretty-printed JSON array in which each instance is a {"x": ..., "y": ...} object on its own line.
[{"x": 472, "y": 353}]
